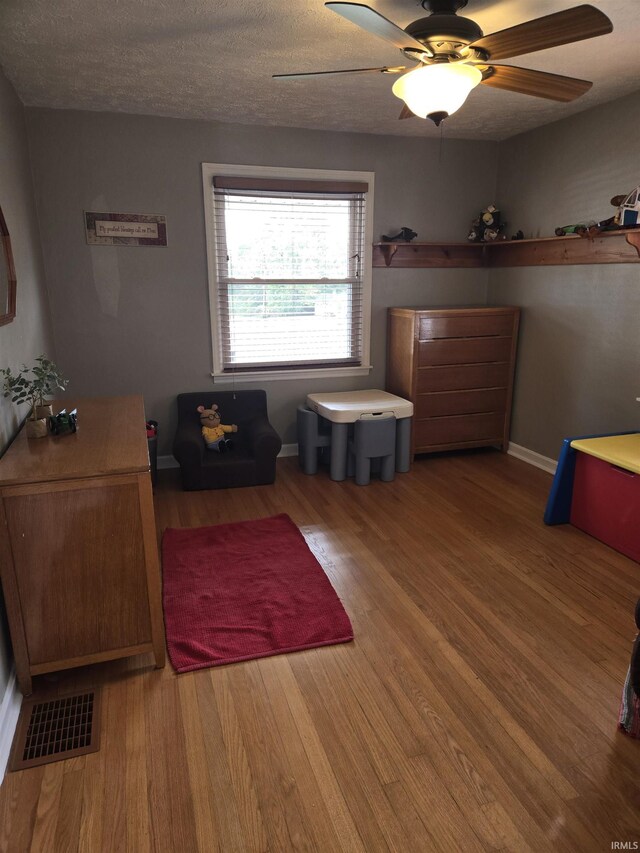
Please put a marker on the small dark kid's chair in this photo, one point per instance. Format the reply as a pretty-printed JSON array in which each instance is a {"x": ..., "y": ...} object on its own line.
[{"x": 251, "y": 462}]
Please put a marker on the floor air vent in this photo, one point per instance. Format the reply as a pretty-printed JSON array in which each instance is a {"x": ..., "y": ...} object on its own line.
[{"x": 57, "y": 729}]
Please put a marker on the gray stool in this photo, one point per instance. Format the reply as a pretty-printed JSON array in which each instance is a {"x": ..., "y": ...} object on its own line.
[
  {"x": 373, "y": 439},
  {"x": 313, "y": 435}
]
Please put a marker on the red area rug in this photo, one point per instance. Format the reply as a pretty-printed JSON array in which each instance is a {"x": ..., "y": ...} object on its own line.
[{"x": 245, "y": 590}]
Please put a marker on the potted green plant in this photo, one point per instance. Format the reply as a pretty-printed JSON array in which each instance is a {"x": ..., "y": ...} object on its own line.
[{"x": 33, "y": 385}]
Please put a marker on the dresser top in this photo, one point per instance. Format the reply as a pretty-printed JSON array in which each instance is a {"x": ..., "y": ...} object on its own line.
[
  {"x": 455, "y": 309},
  {"x": 111, "y": 439}
]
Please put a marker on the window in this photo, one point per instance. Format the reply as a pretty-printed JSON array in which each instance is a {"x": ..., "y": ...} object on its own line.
[{"x": 289, "y": 268}]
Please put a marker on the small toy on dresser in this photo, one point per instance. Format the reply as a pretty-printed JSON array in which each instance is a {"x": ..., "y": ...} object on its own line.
[
  {"x": 213, "y": 431},
  {"x": 64, "y": 423}
]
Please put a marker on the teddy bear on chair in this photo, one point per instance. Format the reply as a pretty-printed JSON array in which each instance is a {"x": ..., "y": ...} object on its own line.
[{"x": 213, "y": 431}]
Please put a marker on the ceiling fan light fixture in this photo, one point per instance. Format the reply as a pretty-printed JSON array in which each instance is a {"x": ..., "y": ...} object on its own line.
[{"x": 436, "y": 89}]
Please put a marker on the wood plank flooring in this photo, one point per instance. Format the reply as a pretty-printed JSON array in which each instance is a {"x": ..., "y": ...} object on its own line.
[{"x": 476, "y": 709}]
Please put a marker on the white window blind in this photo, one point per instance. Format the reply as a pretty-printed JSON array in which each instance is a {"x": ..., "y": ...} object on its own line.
[{"x": 289, "y": 267}]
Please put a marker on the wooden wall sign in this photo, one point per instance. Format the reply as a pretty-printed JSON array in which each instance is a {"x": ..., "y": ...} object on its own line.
[{"x": 125, "y": 229}]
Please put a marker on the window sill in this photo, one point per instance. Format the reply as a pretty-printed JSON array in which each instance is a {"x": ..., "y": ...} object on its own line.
[{"x": 304, "y": 373}]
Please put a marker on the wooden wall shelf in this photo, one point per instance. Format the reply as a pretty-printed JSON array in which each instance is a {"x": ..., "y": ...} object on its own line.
[
  {"x": 422, "y": 255},
  {"x": 609, "y": 247}
]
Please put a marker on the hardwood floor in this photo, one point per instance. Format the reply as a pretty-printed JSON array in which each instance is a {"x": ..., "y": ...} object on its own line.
[{"x": 475, "y": 710}]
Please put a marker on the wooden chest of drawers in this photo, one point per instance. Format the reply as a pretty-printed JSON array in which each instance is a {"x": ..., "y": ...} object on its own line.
[{"x": 456, "y": 366}]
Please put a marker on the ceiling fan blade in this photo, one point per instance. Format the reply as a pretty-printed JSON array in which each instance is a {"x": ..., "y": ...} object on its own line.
[
  {"x": 405, "y": 112},
  {"x": 372, "y": 21},
  {"x": 555, "y": 87},
  {"x": 570, "y": 25},
  {"x": 384, "y": 70}
]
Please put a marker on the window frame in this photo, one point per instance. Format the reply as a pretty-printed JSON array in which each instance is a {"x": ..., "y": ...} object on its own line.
[{"x": 211, "y": 170}]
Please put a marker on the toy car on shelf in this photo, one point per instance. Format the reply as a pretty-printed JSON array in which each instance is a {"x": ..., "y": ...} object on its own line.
[
  {"x": 626, "y": 216},
  {"x": 583, "y": 229}
]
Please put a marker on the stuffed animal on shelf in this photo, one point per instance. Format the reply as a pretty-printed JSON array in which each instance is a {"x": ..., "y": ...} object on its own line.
[
  {"x": 213, "y": 431},
  {"x": 487, "y": 226}
]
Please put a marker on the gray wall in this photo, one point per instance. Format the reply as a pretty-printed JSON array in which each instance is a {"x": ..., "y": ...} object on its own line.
[
  {"x": 29, "y": 334},
  {"x": 137, "y": 319},
  {"x": 579, "y": 353}
]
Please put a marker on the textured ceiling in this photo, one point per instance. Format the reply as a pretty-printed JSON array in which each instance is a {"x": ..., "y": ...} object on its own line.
[{"x": 214, "y": 60}]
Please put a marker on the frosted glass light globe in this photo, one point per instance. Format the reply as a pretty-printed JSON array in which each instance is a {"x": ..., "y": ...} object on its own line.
[{"x": 437, "y": 90}]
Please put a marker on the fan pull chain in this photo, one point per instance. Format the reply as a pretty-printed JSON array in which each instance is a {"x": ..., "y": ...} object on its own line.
[{"x": 440, "y": 147}]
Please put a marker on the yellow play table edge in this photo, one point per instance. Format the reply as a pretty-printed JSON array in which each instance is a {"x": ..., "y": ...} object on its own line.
[{"x": 620, "y": 450}]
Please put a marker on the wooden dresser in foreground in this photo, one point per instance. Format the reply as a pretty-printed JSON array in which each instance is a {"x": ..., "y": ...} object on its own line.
[
  {"x": 78, "y": 549},
  {"x": 456, "y": 365}
]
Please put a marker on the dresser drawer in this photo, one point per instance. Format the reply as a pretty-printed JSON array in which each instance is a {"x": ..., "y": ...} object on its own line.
[
  {"x": 464, "y": 351},
  {"x": 462, "y": 377},
  {"x": 455, "y": 430},
  {"x": 460, "y": 402},
  {"x": 465, "y": 326}
]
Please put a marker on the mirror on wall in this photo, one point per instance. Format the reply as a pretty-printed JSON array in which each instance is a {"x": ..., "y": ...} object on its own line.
[{"x": 7, "y": 275}]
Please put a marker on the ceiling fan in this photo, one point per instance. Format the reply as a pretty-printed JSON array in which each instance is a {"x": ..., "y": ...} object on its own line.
[{"x": 453, "y": 55}]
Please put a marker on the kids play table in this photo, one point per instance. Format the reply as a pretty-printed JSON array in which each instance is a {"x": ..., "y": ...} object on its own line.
[{"x": 343, "y": 408}]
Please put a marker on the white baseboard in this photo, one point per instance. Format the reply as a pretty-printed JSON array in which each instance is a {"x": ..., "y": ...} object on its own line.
[
  {"x": 170, "y": 462},
  {"x": 544, "y": 462},
  {"x": 289, "y": 450},
  {"x": 9, "y": 711}
]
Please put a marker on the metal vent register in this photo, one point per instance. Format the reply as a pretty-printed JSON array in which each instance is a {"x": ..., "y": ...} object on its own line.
[{"x": 56, "y": 729}]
